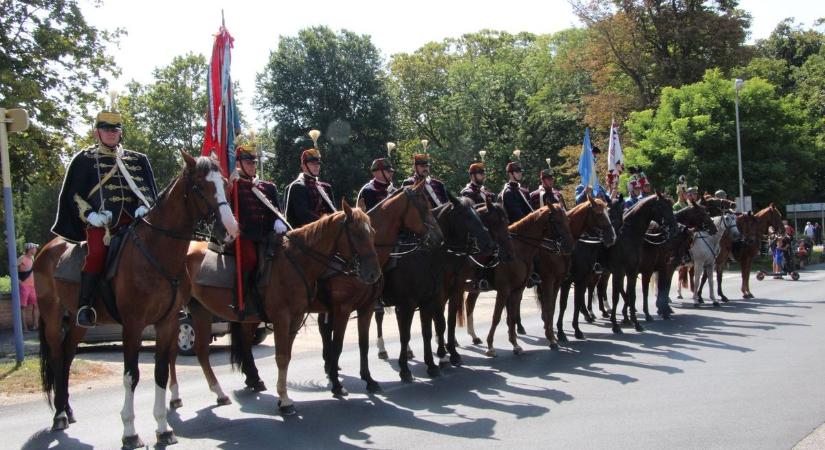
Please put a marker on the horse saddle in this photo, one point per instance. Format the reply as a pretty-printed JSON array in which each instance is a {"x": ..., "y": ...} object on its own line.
[
  {"x": 71, "y": 261},
  {"x": 218, "y": 268}
]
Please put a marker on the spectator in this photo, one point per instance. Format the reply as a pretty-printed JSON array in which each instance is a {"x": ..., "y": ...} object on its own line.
[
  {"x": 810, "y": 231},
  {"x": 789, "y": 230},
  {"x": 28, "y": 296},
  {"x": 817, "y": 233}
]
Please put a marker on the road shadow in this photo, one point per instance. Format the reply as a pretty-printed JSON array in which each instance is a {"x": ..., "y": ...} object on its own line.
[{"x": 48, "y": 439}]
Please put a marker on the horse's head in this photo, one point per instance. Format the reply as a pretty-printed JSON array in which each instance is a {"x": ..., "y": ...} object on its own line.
[
  {"x": 358, "y": 238},
  {"x": 697, "y": 217},
  {"x": 774, "y": 218},
  {"x": 558, "y": 229},
  {"x": 662, "y": 209},
  {"x": 728, "y": 224},
  {"x": 463, "y": 228},
  {"x": 494, "y": 217},
  {"x": 419, "y": 219},
  {"x": 748, "y": 226},
  {"x": 597, "y": 219},
  {"x": 203, "y": 177}
]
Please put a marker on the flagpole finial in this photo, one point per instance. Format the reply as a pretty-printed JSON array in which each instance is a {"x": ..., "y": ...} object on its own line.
[{"x": 223, "y": 20}]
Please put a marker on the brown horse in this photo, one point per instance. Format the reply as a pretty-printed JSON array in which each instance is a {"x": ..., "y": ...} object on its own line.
[
  {"x": 145, "y": 287},
  {"x": 544, "y": 230},
  {"x": 405, "y": 209},
  {"x": 752, "y": 227},
  {"x": 306, "y": 254},
  {"x": 590, "y": 219}
]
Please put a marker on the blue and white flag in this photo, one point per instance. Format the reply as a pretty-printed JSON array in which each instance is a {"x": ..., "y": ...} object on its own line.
[{"x": 586, "y": 163}]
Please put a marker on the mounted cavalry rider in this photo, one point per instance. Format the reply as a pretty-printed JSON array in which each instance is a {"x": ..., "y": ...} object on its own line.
[
  {"x": 547, "y": 194},
  {"x": 308, "y": 198},
  {"x": 514, "y": 197},
  {"x": 475, "y": 190},
  {"x": 596, "y": 191},
  {"x": 106, "y": 188},
  {"x": 380, "y": 187},
  {"x": 436, "y": 193},
  {"x": 257, "y": 209},
  {"x": 721, "y": 194},
  {"x": 681, "y": 194},
  {"x": 634, "y": 191}
]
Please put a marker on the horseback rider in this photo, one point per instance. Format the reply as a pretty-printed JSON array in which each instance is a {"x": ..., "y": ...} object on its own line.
[
  {"x": 644, "y": 184},
  {"x": 634, "y": 190},
  {"x": 436, "y": 193},
  {"x": 308, "y": 198},
  {"x": 380, "y": 187},
  {"x": 721, "y": 194},
  {"x": 106, "y": 187},
  {"x": 597, "y": 191},
  {"x": 681, "y": 194},
  {"x": 693, "y": 194},
  {"x": 475, "y": 190},
  {"x": 547, "y": 193},
  {"x": 257, "y": 209},
  {"x": 514, "y": 197}
]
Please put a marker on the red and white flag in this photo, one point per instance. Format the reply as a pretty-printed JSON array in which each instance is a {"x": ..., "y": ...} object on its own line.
[{"x": 615, "y": 158}]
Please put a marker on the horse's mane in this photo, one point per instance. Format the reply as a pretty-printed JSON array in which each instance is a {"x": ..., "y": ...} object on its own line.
[
  {"x": 203, "y": 164},
  {"x": 634, "y": 210},
  {"x": 313, "y": 233},
  {"x": 583, "y": 205},
  {"x": 534, "y": 217}
]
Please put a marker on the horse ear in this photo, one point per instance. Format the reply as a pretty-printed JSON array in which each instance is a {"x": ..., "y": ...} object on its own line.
[
  {"x": 188, "y": 159},
  {"x": 453, "y": 200},
  {"x": 591, "y": 200},
  {"x": 345, "y": 206},
  {"x": 418, "y": 186},
  {"x": 362, "y": 205}
]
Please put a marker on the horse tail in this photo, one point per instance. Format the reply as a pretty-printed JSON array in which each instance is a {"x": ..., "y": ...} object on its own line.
[
  {"x": 236, "y": 345},
  {"x": 461, "y": 317},
  {"x": 46, "y": 368}
]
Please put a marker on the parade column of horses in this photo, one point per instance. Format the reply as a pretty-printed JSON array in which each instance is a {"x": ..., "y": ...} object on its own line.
[{"x": 334, "y": 267}]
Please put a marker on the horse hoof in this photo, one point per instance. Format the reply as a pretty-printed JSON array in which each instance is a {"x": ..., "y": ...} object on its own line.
[
  {"x": 491, "y": 353},
  {"x": 695, "y": 305},
  {"x": 132, "y": 442},
  {"x": 518, "y": 351},
  {"x": 750, "y": 295},
  {"x": 626, "y": 321},
  {"x": 715, "y": 304},
  {"x": 433, "y": 371},
  {"x": 70, "y": 415},
  {"x": 679, "y": 296},
  {"x": 257, "y": 386},
  {"x": 406, "y": 377},
  {"x": 666, "y": 317},
  {"x": 561, "y": 337},
  {"x": 520, "y": 329},
  {"x": 287, "y": 410},
  {"x": 554, "y": 346},
  {"x": 605, "y": 315},
  {"x": 444, "y": 362},
  {"x": 223, "y": 401},
  {"x": 590, "y": 318},
  {"x": 476, "y": 341},
  {"x": 579, "y": 335},
  {"x": 617, "y": 329},
  {"x": 339, "y": 391},
  {"x": 60, "y": 423},
  {"x": 167, "y": 438},
  {"x": 639, "y": 327},
  {"x": 701, "y": 300},
  {"x": 410, "y": 354},
  {"x": 455, "y": 360},
  {"x": 724, "y": 299},
  {"x": 175, "y": 403},
  {"x": 373, "y": 387},
  {"x": 648, "y": 318},
  {"x": 383, "y": 355}
]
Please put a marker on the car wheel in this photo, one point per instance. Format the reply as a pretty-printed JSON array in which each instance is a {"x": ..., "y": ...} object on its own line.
[
  {"x": 260, "y": 335},
  {"x": 186, "y": 337}
]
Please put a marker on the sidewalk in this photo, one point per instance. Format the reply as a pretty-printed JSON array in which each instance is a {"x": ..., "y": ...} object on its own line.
[{"x": 7, "y": 349}]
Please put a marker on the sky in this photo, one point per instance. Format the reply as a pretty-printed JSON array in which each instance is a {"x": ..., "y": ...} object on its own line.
[{"x": 160, "y": 30}]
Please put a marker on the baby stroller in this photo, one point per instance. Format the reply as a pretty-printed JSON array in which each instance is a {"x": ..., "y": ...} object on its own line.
[{"x": 789, "y": 265}]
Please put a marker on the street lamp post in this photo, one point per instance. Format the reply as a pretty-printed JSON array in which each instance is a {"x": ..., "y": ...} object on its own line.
[{"x": 737, "y": 85}]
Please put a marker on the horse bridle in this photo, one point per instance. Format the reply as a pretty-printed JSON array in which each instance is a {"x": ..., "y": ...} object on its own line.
[
  {"x": 336, "y": 263},
  {"x": 543, "y": 243},
  {"x": 596, "y": 236},
  {"x": 419, "y": 241}
]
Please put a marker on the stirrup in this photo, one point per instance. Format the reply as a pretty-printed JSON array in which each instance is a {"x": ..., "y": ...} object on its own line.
[
  {"x": 92, "y": 323},
  {"x": 597, "y": 268},
  {"x": 533, "y": 280},
  {"x": 483, "y": 285}
]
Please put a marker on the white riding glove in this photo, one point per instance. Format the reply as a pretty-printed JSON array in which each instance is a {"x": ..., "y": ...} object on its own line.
[
  {"x": 280, "y": 227},
  {"x": 99, "y": 219},
  {"x": 141, "y": 211}
]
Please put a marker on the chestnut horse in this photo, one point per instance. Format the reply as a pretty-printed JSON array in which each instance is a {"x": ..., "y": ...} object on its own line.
[
  {"x": 587, "y": 219},
  {"x": 306, "y": 254},
  {"x": 145, "y": 287},
  {"x": 546, "y": 229},
  {"x": 405, "y": 209}
]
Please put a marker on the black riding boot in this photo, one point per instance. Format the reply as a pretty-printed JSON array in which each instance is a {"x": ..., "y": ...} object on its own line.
[
  {"x": 534, "y": 280},
  {"x": 86, "y": 314},
  {"x": 250, "y": 292}
]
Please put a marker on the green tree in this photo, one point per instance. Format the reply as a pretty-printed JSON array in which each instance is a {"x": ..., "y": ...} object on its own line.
[
  {"x": 333, "y": 82},
  {"x": 693, "y": 133},
  {"x": 53, "y": 65}
]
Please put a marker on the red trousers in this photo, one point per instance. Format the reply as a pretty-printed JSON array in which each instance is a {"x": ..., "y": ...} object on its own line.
[
  {"x": 96, "y": 258},
  {"x": 249, "y": 255}
]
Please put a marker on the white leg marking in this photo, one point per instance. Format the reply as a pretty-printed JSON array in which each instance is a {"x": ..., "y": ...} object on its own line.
[
  {"x": 216, "y": 388},
  {"x": 175, "y": 392},
  {"x": 159, "y": 411},
  {"x": 127, "y": 414}
]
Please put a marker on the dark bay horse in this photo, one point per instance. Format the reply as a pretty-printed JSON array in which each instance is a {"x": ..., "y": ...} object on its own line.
[
  {"x": 662, "y": 256},
  {"x": 624, "y": 257},
  {"x": 589, "y": 225},
  {"x": 544, "y": 230},
  {"x": 417, "y": 281},
  {"x": 307, "y": 253},
  {"x": 150, "y": 266},
  {"x": 467, "y": 267}
]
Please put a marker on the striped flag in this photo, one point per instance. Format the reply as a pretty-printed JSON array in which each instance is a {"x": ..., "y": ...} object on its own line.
[{"x": 222, "y": 121}]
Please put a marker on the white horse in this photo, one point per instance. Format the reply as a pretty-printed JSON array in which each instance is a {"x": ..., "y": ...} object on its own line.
[{"x": 705, "y": 249}]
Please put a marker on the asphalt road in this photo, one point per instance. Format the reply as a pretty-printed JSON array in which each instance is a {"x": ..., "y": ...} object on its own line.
[{"x": 747, "y": 375}]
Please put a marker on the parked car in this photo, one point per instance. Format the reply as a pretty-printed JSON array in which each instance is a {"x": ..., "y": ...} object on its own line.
[{"x": 186, "y": 333}]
